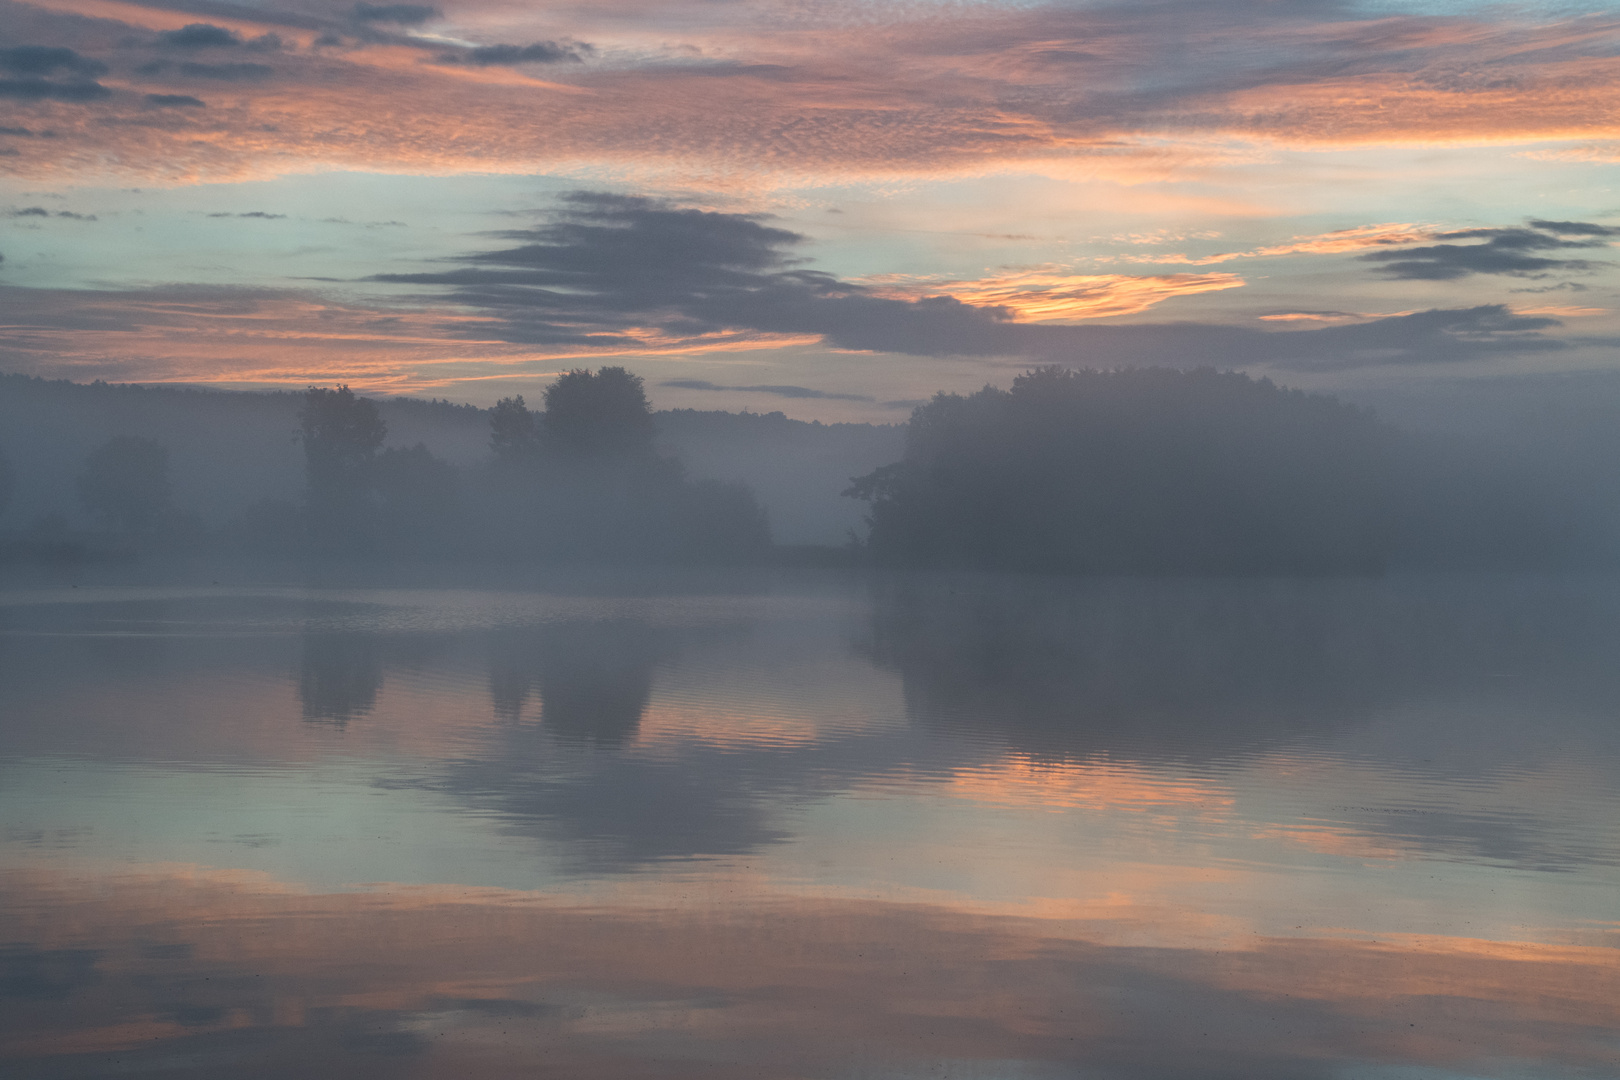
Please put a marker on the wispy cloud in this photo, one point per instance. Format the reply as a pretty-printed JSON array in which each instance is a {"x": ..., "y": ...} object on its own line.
[
  {"x": 1056, "y": 294},
  {"x": 1130, "y": 91},
  {"x": 41, "y": 212},
  {"x": 1515, "y": 252},
  {"x": 1339, "y": 241},
  {"x": 539, "y": 52},
  {"x": 796, "y": 392}
]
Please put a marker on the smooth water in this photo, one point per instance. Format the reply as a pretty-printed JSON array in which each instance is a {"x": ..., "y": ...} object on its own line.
[{"x": 802, "y": 826}]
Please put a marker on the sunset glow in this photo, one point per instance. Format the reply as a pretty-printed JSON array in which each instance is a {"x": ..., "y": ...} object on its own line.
[{"x": 1045, "y": 164}]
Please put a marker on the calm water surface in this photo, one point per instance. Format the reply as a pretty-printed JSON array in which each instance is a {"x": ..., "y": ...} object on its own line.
[{"x": 803, "y": 826}]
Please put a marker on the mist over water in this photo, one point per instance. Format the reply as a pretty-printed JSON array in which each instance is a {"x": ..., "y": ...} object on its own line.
[{"x": 799, "y": 824}]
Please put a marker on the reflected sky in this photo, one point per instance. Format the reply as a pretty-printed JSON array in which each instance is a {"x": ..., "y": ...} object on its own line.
[{"x": 811, "y": 826}]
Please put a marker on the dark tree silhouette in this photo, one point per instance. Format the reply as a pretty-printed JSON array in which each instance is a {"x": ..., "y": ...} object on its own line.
[
  {"x": 7, "y": 482},
  {"x": 1143, "y": 471},
  {"x": 417, "y": 498},
  {"x": 514, "y": 434},
  {"x": 604, "y": 416},
  {"x": 713, "y": 522},
  {"x": 341, "y": 434},
  {"x": 125, "y": 484},
  {"x": 582, "y": 481}
]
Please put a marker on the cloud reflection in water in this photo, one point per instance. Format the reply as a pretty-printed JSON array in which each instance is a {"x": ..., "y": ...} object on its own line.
[{"x": 970, "y": 826}]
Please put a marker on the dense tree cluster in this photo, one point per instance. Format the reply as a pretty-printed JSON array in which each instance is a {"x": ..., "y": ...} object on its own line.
[
  {"x": 341, "y": 435},
  {"x": 1146, "y": 471},
  {"x": 7, "y": 482},
  {"x": 577, "y": 481},
  {"x": 1193, "y": 472},
  {"x": 125, "y": 484},
  {"x": 1131, "y": 471},
  {"x": 582, "y": 479}
]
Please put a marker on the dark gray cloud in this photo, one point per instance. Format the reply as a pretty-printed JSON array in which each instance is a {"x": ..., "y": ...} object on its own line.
[
  {"x": 1573, "y": 228},
  {"x": 260, "y": 214},
  {"x": 541, "y": 52},
  {"x": 1562, "y": 286},
  {"x": 38, "y": 60},
  {"x": 201, "y": 36},
  {"x": 27, "y": 133},
  {"x": 41, "y": 212},
  {"x": 779, "y": 391},
  {"x": 43, "y": 90},
  {"x": 175, "y": 101},
  {"x": 608, "y": 265},
  {"x": 365, "y": 224},
  {"x": 1514, "y": 252},
  {"x": 403, "y": 14}
]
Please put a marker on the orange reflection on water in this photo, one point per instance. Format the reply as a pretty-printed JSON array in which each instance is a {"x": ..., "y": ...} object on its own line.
[
  {"x": 1333, "y": 838},
  {"x": 1018, "y": 780},
  {"x": 237, "y": 969},
  {"x": 675, "y": 725}
]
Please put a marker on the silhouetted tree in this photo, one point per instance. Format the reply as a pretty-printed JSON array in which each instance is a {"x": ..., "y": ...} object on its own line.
[
  {"x": 582, "y": 481},
  {"x": 417, "y": 496},
  {"x": 604, "y": 416},
  {"x": 712, "y": 522},
  {"x": 125, "y": 484},
  {"x": 341, "y": 434},
  {"x": 1150, "y": 470},
  {"x": 514, "y": 435}
]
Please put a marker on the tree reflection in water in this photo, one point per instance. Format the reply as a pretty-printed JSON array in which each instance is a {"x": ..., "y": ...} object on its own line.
[
  {"x": 339, "y": 677},
  {"x": 1178, "y": 668},
  {"x": 594, "y": 680}
]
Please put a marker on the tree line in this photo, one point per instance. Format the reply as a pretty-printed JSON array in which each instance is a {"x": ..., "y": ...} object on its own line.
[
  {"x": 1207, "y": 472},
  {"x": 578, "y": 480},
  {"x": 1071, "y": 471}
]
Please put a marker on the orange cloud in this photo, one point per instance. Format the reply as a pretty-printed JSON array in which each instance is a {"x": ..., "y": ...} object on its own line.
[
  {"x": 1055, "y": 295},
  {"x": 897, "y": 95},
  {"x": 271, "y": 338},
  {"x": 1359, "y": 238},
  {"x": 1563, "y": 311},
  {"x": 1331, "y": 316},
  {"x": 1596, "y": 153}
]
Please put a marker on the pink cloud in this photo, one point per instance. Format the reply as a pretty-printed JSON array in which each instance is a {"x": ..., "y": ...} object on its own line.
[{"x": 773, "y": 98}]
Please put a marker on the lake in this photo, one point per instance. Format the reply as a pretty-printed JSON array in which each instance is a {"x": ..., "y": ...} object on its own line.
[{"x": 811, "y": 825}]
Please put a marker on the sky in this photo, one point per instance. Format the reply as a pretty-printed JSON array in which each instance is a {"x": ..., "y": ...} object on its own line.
[{"x": 833, "y": 209}]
